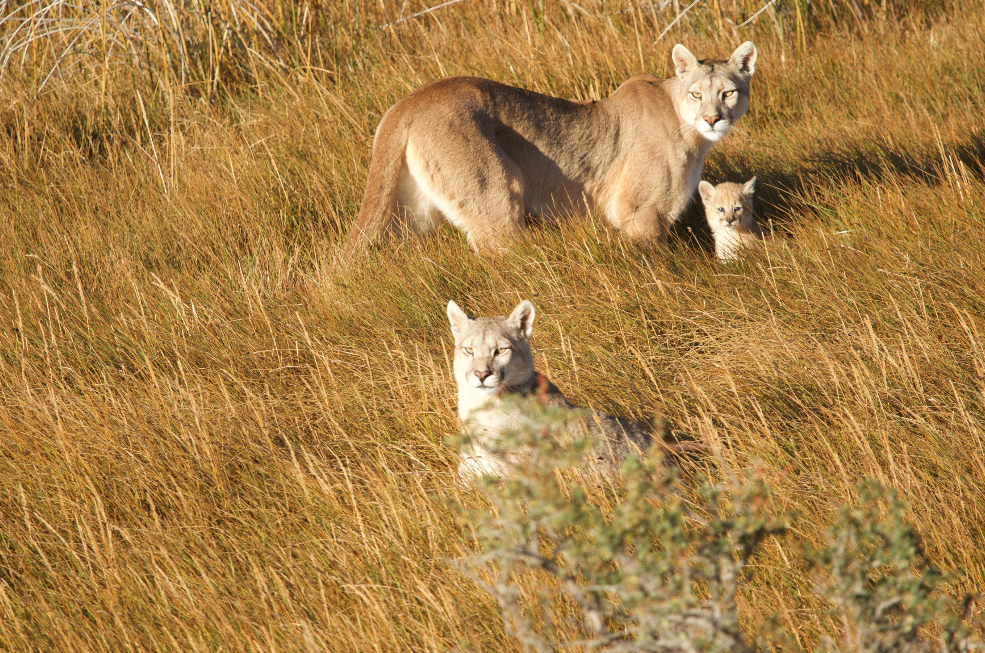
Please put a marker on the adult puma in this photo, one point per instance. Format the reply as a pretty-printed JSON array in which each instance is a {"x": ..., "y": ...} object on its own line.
[
  {"x": 483, "y": 155},
  {"x": 494, "y": 370}
]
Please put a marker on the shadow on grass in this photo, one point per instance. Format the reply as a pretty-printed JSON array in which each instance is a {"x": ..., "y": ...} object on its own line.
[{"x": 781, "y": 188}]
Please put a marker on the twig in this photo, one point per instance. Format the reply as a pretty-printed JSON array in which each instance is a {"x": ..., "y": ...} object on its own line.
[
  {"x": 679, "y": 16},
  {"x": 65, "y": 53},
  {"x": 765, "y": 7},
  {"x": 421, "y": 13},
  {"x": 150, "y": 136},
  {"x": 646, "y": 5}
]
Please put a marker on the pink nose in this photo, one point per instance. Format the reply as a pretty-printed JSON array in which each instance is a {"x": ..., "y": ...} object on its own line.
[
  {"x": 711, "y": 120},
  {"x": 483, "y": 374}
]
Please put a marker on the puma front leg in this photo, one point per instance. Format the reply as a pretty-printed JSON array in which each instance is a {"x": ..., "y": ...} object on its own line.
[{"x": 641, "y": 222}]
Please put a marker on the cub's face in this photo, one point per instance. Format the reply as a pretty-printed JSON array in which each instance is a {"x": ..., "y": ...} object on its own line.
[
  {"x": 728, "y": 206},
  {"x": 492, "y": 353},
  {"x": 715, "y": 93}
]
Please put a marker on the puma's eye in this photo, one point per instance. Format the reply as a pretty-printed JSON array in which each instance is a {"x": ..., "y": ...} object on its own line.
[
  {"x": 721, "y": 209},
  {"x": 737, "y": 209},
  {"x": 501, "y": 350},
  {"x": 467, "y": 350},
  {"x": 728, "y": 94},
  {"x": 696, "y": 96}
]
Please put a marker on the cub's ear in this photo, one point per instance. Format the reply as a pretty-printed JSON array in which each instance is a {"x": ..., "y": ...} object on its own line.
[
  {"x": 749, "y": 187},
  {"x": 744, "y": 59},
  {"x": 705, "y": 190},
  {"x": 522, "y": 318},
  {"x": 683, "y": 60},
  {"x": 459, "y": 320}
]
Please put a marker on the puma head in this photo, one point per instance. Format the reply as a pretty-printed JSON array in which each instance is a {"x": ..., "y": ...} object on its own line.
[
  {"x": 492, "y": 353},
  {"x": 728, "y": 205},
  {"x": 714, "y": 94}
]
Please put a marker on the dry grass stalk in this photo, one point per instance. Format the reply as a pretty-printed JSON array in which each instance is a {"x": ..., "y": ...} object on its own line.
[{"x": 213, "y": 439}]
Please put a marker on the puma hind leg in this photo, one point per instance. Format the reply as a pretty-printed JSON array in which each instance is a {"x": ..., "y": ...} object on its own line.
[{"x": 479, "y": 191}]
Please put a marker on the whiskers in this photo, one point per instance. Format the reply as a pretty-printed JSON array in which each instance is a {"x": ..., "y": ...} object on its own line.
[{"x": 686, "y": 129}]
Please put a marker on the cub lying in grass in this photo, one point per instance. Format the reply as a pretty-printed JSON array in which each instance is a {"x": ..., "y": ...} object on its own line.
[
  {"x": 728, "y": 208},
  {"x": 494, "y": 368}
]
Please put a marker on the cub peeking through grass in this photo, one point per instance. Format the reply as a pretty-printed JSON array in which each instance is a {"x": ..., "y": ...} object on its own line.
[{"x": 728, "y": 208}]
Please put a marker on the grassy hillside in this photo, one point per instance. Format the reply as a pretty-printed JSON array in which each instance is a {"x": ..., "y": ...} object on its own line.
[{"x": 214, "y": 438}]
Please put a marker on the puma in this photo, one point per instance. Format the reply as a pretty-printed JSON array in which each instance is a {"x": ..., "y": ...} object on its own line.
[
  {"x": 483, "y": 155},
  {"x": 494, "y": 370},
  {"x": 728, "y": 207}
]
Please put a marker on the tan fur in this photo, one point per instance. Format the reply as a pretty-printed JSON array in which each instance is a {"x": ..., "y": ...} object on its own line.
[
  {"x": 728, "y": 207},
  {"x": 494, "y": 369},
  {"x": 483, "y": 155}
]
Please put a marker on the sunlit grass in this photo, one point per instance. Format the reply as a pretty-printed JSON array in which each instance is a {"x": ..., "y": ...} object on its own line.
[{"x": 214, "y": 438}]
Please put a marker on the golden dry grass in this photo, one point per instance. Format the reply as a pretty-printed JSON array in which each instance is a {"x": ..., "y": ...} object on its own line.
[{"x": 214, "y": 439}]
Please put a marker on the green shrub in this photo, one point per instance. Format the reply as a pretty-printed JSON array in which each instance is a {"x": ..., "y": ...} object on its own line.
[
  {"x": 657, "y": 563},
  {"x": 873, "y": 570}
]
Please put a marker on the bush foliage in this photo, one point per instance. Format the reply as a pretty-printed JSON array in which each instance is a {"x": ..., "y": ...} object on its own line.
[{"x": 659, "y": 570}]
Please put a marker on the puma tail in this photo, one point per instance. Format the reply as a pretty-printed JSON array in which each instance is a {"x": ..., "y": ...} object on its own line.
[{"x": 376, "y": 213}]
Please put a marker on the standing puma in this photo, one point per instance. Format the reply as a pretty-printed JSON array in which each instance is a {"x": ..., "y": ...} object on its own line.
[
  {"x": 728, "y": 208},
  {"x": 482, "y": 155},
  {"x": 494, "y": 368}
]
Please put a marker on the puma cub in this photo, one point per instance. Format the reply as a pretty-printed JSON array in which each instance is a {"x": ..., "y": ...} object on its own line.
[
  {"x": 482, "y": 155},
  {"x": 728, "y": 207},
  {"x": 494, "y": 369}
]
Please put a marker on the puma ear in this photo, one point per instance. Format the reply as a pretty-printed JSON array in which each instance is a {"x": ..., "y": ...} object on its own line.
[
  {"x": 749, "y": 187},
  {"x": 522, "y": 318},
  {"x": 744, "y": 59},
  {"x": 459, "y": 320},
  {"x": 683, "y": 60},
  {"x": 706, "y": 190}
]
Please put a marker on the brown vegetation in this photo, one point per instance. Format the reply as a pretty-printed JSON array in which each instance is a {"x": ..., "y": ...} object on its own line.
[{"x": 214, "y": 439}]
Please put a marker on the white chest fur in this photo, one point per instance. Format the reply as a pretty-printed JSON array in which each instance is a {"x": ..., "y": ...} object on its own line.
[{"x": 484, "y": 420}]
